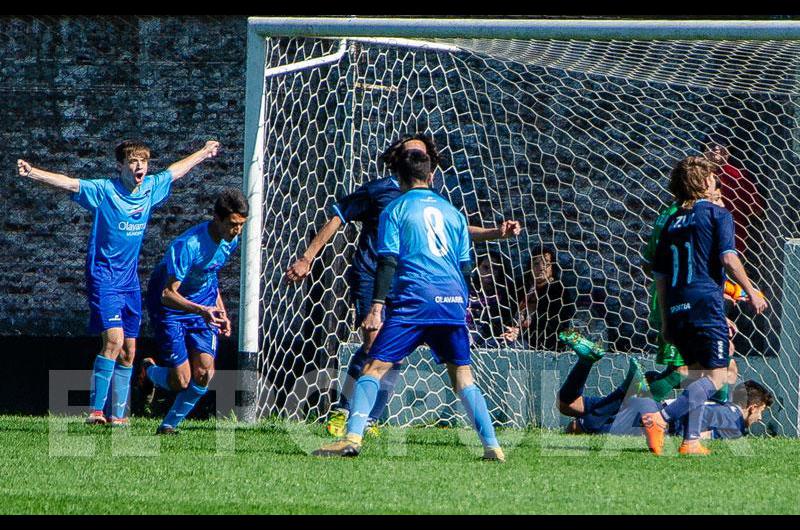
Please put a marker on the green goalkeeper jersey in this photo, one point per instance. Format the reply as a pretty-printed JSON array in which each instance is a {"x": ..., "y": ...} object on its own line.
[{"x": 649, "y": 256}]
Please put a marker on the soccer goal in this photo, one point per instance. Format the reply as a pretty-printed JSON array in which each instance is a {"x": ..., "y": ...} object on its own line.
[{"x": 569, "y": 126}]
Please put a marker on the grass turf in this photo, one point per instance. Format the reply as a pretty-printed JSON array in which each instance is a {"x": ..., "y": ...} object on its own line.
[{"x": 267, "y": 469}]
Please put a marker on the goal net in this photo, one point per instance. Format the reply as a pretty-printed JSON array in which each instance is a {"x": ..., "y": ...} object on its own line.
[{"x": 574, "y": 139}]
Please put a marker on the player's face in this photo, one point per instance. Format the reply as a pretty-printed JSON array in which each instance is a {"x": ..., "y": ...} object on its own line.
[
  {"x": 134, "y": 169},
  {"x": 485, "y": 275},
  {"x": 231, "y": 226},
  {"x": 753, "y": 414},
  {"x": 717, "y": 155},
  {"x": 542, "y": 269}
]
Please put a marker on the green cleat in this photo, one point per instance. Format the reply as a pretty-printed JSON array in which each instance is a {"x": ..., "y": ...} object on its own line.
[
  {"x": 337, "y": 423},
  {"x": 635, "y": 377},
  {"x": 372, "y": 430},
  {"x": 583, "y": 347}
]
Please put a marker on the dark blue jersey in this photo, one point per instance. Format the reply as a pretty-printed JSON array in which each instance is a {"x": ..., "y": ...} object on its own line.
[
  {"x": 365, "y": 205},
  {"x": 723, "y": 420},
  {"x": 689, "y": 257}
]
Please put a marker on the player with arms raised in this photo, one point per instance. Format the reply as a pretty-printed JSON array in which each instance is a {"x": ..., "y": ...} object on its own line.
[
  {"x": 697, "y": 246},
  {"x": 424, "y": 265},
  {"x": 186, "y": 308},
  {"x": 121, "y": 208},
  {"x": 365, "y": 205}
]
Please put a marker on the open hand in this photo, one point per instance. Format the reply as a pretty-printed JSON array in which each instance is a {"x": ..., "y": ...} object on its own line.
[{"x": 757, "y": 302}]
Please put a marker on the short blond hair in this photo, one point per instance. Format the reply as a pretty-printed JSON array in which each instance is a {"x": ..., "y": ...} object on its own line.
[{"x": 688, "y": 180}]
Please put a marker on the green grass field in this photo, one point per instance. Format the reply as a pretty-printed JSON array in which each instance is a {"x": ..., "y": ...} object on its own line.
[{"x": 266, "y": 470}]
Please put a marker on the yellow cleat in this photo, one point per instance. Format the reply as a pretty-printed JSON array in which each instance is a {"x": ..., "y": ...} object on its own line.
[
  {"x": 337, "y": 423},
  {"x": 372, "y": 430},
  {"x": 348, "y": 446},
  {"x": 494, "y": 454}
]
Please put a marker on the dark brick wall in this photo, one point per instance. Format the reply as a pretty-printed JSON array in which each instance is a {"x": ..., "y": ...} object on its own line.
[{"x": 72, "y": 88}]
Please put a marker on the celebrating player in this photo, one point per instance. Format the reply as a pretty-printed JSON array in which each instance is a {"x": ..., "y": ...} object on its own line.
[
  {"x": 696, "y": 247},
  {"x": 186, "y": 308},
  {"x": 425, "y": 240},
  {"x": 121, "y": 208},
  {"x": 365, "y": 204}
]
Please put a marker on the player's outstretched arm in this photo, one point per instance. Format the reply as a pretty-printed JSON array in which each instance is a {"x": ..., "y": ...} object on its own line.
[
  {"x": 302, "y": 265},
  {"x": 170, "y": 297},
  {"x": 504, "y": 230},
  {"x": 733, "y": 265},
  {"x": 55, "y": 180},
  {"x": 182, "y": 167}
]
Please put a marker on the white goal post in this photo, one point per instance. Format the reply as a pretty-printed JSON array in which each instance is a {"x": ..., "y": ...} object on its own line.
[{"x": 741, "y": 77}]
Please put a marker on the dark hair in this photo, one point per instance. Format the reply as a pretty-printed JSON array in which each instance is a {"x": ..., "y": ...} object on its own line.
[
  {"x": 231, "y": 201},
  {"x": 752, "y": 393},
  {"x": 413, "y": 166},
  {"x": 391, "y": 156},
  {"x": 127, "y": 148}
]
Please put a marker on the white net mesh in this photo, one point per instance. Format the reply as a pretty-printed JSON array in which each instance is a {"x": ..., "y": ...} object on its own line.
[{"x": 573, "y": 139}]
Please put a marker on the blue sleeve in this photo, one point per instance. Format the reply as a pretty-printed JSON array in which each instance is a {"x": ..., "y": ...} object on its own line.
[
  {"x": 179, "y": 259},
  {"x": 726, "y": 239},
  {"x": 91, "y": 193},
  {"x": 162, "y": 184},
  {"x": 388, "y": 234},
  {"x": 662, "y": 262},
  {"x": 465, "y": 245},
  {"x": 354, "y": 206}
]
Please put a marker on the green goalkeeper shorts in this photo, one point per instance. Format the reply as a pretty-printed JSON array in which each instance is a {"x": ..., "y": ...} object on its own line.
[{"x": 668, "y": 354}]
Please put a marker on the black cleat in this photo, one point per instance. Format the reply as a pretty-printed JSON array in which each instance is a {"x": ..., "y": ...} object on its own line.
[{"x": 166, "y": 429}]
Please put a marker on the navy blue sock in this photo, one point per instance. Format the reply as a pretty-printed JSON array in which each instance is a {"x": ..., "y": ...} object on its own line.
[
  {"x": 693, "y": 422},
  {"x": 120, "y": 388},
  {"x": 694, "y": 396},
  {"x": 475, "y": 405},
  {"x": 184, "y": 403},
  {"x": 354, "y": 369},
  {"x": 388, "y": 382},
  {"x": 101, "y": 381},
  {"x": 575, "y": 381},
  {"x": 363, "y": 400}
]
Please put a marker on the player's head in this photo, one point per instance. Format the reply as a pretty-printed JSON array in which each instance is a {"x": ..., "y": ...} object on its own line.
[
  {"x": 692, "y": 179},
  {"x": 391, "y": 157},
  {"x": 543, "y": 261},
  {"x": 717, "y": 153},
  {"x": 413, "y": 169},
  {"x": 132, "y": 160},
  {"x": 753, "y": 398},
  {"x": 230, "y": 213}
]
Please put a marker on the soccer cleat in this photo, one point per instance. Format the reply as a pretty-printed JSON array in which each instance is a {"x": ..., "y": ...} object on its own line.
[
  {"x": 96, "y": 417},
  {"x": 167, "y": 430},
  {"x": 693, "y": 447},
  {"x": 372, "y": 428},
  {"x": 493, "y": 454},
  {"x": 583, "y": 347},
  {"x": 350, "y": 445},
  {"x": 654, "y": 430},
  {"x": 635, "y": 377},
  {"x": 120, "y": 422},
  {"x": 337, "y": 423}
]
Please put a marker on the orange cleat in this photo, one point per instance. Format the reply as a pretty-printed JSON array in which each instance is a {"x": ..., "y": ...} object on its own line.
[
  {"x": 96, "y": 417},
  {"x": 654, "y": 430},
  {"x": 693, "y": 447}
]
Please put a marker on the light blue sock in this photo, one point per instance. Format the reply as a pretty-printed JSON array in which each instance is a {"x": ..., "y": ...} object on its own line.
[
  {"x": 101, "y": 380},
  {"x": 120, "y": 387},
  {"x": 159, "y": 375},
  {"x": 475, "y": 405},
  {"x": 184, "y": 403},
  {"x": 364, "y": 397},
  {"x": 388, "y": 382}
]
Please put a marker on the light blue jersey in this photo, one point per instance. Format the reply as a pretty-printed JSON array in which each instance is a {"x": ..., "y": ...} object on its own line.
[
  {"x": 120, "y": 219},
  {"x": 193, "y": 258},
  {"x": 430, "y": 240}
]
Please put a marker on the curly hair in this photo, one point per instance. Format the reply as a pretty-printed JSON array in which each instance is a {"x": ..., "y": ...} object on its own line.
[
  {"x": 688, "y": 179},
  {"x": 391, "y": 157}
]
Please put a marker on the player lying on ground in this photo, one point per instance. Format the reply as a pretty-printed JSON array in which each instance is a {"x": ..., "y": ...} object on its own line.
[
  {"x": 620, "y": 411},
  {"x": 697, "y": 246},
  {"x": 186, "y": 308},
  {"x": 121, "y": 208},
  {"x": 424, "y": 259},
  {"x": 365, "y": 205}
]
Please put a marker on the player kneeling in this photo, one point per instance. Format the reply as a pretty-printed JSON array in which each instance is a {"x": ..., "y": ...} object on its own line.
[
  {"x": 425, "y": 240},
  {"x": 186, "y": 308}
]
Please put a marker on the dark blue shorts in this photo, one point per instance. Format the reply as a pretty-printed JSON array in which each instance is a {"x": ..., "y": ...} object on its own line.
[
  {"x": 177, "y": 338},
  {"x": 396, "y": 340},
  {"x": 709, "y": 347},
  {"x": 115, "y": 310},
  {"x": 361, "y": 295}
]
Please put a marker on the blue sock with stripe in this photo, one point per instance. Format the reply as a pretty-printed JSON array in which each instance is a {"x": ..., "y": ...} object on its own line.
[
  {"x": 120, "y": 388},
  {"x": 363, "y": 400},
  {"x": 388, "y": 382},
  {"x": 184, "y": 403},
  {"x": 475, "y": 405},
  {"x": 159, "y": 375},
  {"x": 101, "y": 380}
]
